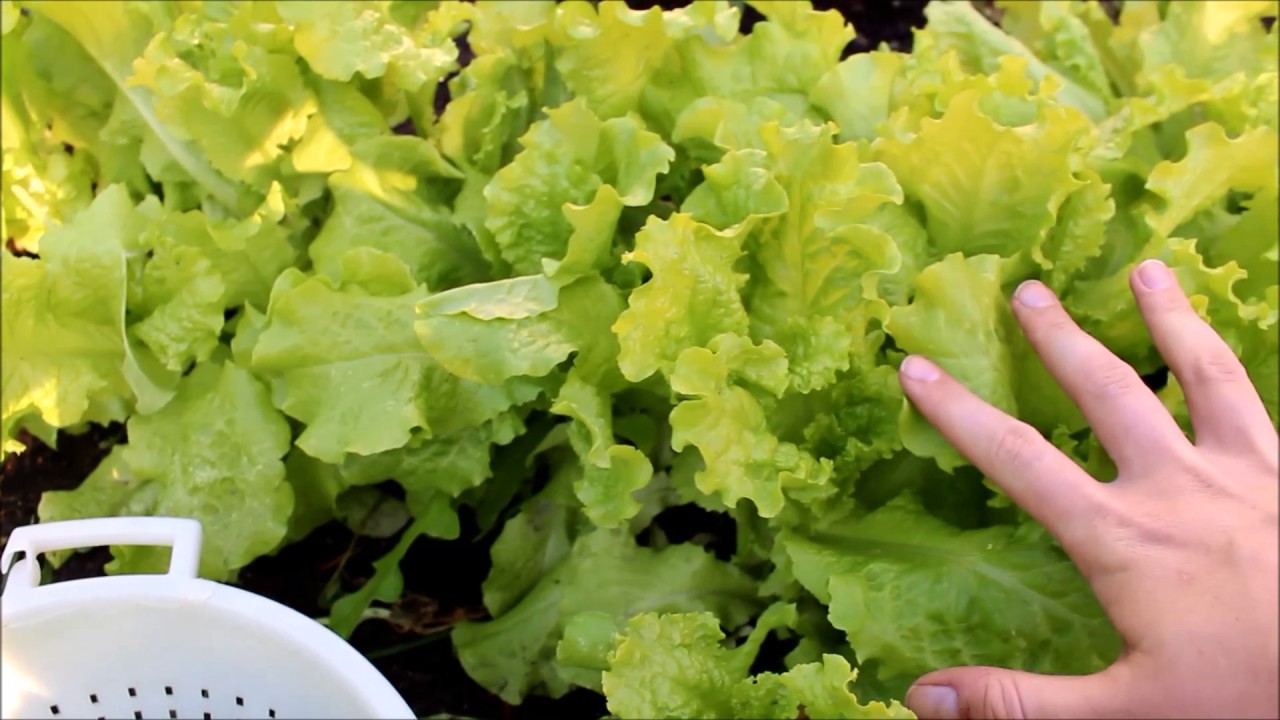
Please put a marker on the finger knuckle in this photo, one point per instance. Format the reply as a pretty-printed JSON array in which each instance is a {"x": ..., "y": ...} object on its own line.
[
  {"x": 1134, "y": 530},
  {"x": 1107, "y": 515},
  {"x": 1215, "y": 368},
  {"x": 1015, "y": 445},
  {"x": 1000, "y": 698},
  {"x": 1144, "y": 532},
  {"x": 1203, "y": 474},
  {"x": 1113, "y": 380}
]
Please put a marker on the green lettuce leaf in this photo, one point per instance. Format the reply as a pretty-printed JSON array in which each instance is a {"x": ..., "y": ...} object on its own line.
[
  {"x": 916, "y": 594},
  {"x": 611, "y": 473},
  {"x": 657, "y": 64},
  {"x": 571, "y": 161},
  {"x": 609, "y": 54},
  {"x": 316, "y": 487},
  {"x": 603, "y": 572},
  {"x": 392, "y": 198},
  {"x": 609, "y": 287},
  {"x": 986, "y": 188},
  {"x": 235, "y": 485},
  {"x": 339, "y": 41},
  {"x": 960, "y": 318},
  {"x": 240, "y": 109},
  {"x": 982, "y": 47},
  {"x": 445, "y": 461},
  {"x": 45, "y": 183},
  {"x": 674, "y": 665},
  {"x": 387, "y": 583},
  {"x": 729, "y": 424},
  {"x": 817, "y": 267},
  {"x": 114, "y": 36},
  {"x": 692, "y": 266},
  {"x": 66, "y": 356},
  {"x": 1211, "y": 41},
  {"x": 197, "y": 269},
  {"x": 319, "y": 336},
  {"x": 519, "y": 327}
]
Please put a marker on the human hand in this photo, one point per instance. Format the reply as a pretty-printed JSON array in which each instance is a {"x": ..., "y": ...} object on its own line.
[{"x": 1180, "y": 549}]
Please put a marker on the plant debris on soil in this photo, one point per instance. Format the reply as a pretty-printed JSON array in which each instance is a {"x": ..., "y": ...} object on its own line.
[{"x": 442, "y": 579}]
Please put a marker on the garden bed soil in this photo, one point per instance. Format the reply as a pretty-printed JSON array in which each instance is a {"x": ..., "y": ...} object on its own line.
[{"x": 442, "y": 579}]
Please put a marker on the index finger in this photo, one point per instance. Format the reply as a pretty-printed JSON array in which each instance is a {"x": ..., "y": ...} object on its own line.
[{"x": 1040, "y": 479}]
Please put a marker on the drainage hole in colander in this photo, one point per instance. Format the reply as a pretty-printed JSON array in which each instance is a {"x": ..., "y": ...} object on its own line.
[
  {"x": 207, "y": 716},
  {"x": 204, "y": 693},
  {"x": 133, "y": 692},
  {"x": 53, "y": 710},
  {"x": 173, "y": 713},
  {"x": 168, "y": 689},
  {"x": 93, "y": 698},
  {"x": 137, "y": 715}
]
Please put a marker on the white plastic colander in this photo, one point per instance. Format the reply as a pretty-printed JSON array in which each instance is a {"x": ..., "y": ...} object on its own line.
[{"x": 166, "y": 646}]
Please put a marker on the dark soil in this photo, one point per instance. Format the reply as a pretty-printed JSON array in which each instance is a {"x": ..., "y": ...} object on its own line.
[
  {"x": 39, "y": 468},
  {"x": 442, "y": 580},
  {"x": 879, "y": 21}
]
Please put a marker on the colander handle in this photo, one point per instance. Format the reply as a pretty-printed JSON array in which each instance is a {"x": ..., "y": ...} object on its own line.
[{"x": 183, "y": 535}]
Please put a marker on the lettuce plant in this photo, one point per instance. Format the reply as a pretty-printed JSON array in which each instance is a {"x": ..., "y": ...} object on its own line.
[{"x": 563, "y": 267}]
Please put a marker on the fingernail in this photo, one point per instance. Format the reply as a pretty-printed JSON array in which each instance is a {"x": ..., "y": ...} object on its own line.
[
  {"x": 1033, "y": 293},
  {"x": 933, "y": 701},
  {"x": 919, "y": 369},
  {"x": 1154, "y": 275}
]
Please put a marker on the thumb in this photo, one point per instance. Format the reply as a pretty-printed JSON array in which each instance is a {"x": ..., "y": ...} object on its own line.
[{"x": 987, "y": 693}]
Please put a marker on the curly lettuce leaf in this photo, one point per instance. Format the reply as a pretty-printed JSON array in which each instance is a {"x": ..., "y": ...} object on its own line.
[
  {"x": 466, "y": 246},
  {"x": 67, "y": 358},
  {"x": 1188, "y": 227},
  {"x": 960, "y": 318},
  {"x": 608, "y": 54},
  {"x": 393, "y": 197},
  {"x": 247, "y": 253},
  {"x": 1213, "y": 165},
  {"x": 675, "y": 665},
  {"x": 480, "y": 334},
  {"x": 981, "y": 47},
  {"x": 986, "y": 188},
  {"x": 604, "y": 573},
  {"x": 816, "y": 265},
  {"x": 241, "y": 109},
  {"x": 45, "y": 182},
  {"x": 727, "y": 420},
  {"x": 320, "y": 336},
  {"x": 446, "y": 461},
  {"x": 915, "y": 594},
  {"x": 692, "y": 296},
  {"x": 339, "y": 41},
  {"x": 181, "y": 296},
  {"x": 1211, "y": 40},
  {"x": 571, "y": 162},
  {"x": 196, "y": 269},
  {"x": 114, "y": 35},
  {"x": 853, "y": 421},
  {"x": 611, "y": 472},
  {"x": 656, "y": 64},
  {"x": 235, "y": 485}
]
